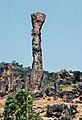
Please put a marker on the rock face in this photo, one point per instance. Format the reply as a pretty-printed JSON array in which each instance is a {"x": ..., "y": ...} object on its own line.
[
  {"x": 62, "y": 112},
  {"x": 37, "y": 67},
  {"x": 10, "y": 80}
]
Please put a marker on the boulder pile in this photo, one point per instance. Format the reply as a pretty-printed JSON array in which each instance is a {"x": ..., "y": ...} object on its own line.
[{"x": 61, "y": 112}]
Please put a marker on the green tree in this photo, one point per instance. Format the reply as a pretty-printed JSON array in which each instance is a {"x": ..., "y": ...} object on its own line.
[
  {"x": 21, "y": 99},
  {"x": 20, "y": 107},
  {"x": 9, "y": 109}
]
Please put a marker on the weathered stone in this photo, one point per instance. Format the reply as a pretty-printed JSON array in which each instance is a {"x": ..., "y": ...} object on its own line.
[
  {"x": 37, "y": 67},
  {"x": 67, "y": 96},
  {"x": 62, "y": 112},
  {"x": 56, "y": 110},
  {"x": 3, "y": 86},
  {"x": 73, "y": 110},
  {"x": 50, "y": 91}
]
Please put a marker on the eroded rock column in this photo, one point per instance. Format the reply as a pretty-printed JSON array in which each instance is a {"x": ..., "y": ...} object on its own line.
[{"x": 37, "y": 66}]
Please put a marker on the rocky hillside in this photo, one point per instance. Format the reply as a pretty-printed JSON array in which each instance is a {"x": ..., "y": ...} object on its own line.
[{"x": 59, "y": 96}]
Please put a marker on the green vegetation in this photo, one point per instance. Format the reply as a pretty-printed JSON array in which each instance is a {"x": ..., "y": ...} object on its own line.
[{"x": 19, "y": 107}]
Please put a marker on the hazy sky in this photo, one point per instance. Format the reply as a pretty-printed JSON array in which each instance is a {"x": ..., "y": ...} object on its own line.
[{"x": 61, "y": 32}]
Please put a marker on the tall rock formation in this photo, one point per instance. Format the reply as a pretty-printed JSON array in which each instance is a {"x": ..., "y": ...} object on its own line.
[{"x": 37, "y": 66}]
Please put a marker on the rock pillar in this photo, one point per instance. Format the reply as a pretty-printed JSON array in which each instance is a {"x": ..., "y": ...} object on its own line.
[{"x": 37, "y": 67}]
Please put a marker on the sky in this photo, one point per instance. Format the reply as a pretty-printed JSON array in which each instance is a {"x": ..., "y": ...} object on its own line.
[{"x": 61, "y": 32}]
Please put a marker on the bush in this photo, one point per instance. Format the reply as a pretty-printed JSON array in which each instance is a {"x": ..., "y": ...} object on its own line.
[{"x": 19, "y": 107}]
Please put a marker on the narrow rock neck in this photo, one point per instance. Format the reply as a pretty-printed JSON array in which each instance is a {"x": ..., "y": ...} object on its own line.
[{"x": 36, "y": 51}]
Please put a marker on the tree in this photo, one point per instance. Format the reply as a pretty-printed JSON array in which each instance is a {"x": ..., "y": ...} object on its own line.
[
  {"x": 19, "y": 107},
  {"x": 9, "y": 109},
  {"x": 21, "y": 101}
]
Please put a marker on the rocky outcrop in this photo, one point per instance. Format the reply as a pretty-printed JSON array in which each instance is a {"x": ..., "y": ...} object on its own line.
[
  {"x": 50, "y": 92},
  {"x": 11, "y": 79},
  {"x": 37, "y": 66},
  {"x": 61, "y": 112}
]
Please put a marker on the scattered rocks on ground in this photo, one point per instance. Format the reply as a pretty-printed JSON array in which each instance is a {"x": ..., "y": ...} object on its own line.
[
  {"x": 50, "y": 91},
  {"x": 61, "y": 111}
]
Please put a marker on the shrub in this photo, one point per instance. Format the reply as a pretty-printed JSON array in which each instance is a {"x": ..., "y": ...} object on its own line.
[{"x": 19, "y": 107}]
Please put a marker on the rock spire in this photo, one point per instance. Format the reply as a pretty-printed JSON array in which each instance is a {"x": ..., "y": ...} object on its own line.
[{"x": 37, "y": 66}]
